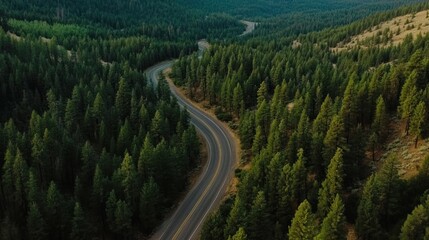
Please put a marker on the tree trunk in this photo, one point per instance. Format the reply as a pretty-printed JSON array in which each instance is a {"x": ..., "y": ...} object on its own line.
[
  {"x": 407, "y": 126},
  {"x": 416, "y": 141}
]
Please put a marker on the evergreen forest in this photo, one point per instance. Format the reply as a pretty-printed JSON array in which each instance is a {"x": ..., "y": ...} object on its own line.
[{"x": 90, "y": 148}]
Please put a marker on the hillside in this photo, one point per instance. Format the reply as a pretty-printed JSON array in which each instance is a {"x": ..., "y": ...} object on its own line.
[
  {"x": 334, "y": 164},
  {"x": 388, "y": 33}
]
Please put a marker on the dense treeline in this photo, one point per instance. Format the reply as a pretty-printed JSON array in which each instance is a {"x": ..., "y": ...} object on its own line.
[
  {"x": 165, "y": 19},
  {"x": 310, "y": 120},
  {"x": 88, "y": 149},
  {"x": 270, "y": 8},
  {"x": 139, "y": 52},
  {"x": 280, "y": 18}
]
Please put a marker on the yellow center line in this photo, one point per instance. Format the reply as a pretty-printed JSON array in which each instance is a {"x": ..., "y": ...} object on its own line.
[{"x": 211, "y": 181}]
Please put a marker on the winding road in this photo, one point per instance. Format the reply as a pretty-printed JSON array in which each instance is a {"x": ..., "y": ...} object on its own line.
[{"x": 187, "y": 220}]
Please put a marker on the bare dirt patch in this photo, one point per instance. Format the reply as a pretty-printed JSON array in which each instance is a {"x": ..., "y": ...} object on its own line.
[
  {"x": 250, "y": 27},
  {"x": 389, "y": 33},
  {"x": 410, "y": 158},
  {"x": 13, "y": 36},
  {"x": 203, "y": 44},
  {"x": 351, "y": 232},
  {"x": 296, "y": 44}
]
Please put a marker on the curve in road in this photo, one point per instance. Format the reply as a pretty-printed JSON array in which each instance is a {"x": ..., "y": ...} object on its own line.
[{"x": 186, "y": 221}]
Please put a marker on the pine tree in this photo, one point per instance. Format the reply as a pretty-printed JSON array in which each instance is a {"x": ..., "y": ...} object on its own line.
[
  {"x": 262, "y": 93},
  {"x": 262, "y": 117},
  {"x": 38, "y": 152},
  {"x": 258, "y": 141},
  {"x": 258, "y": 218},
  {"x": 273, "y": 174},
  {"x": 149, "y": 204},
  {"x": 123, "y": 216},
  {"x": 36, "y": 225},
  {"x": 416, "y": 224},
  {"x": 287, "y": 196},
  {"x": 303, "y": 132},
  {"x": 390, "y": 188},
  {"x": 20, "y": 173},
  {"x": 98, "y": 108},
  {"x": 80, "y": 228},
  {"x": 303, "y": 225},
  {"x": 73, "y": 113},
  {"x": 7, "y": 174},
  {"x": 238, "y": 100},
  {"x": 391, "y": 87},
  {"x": 348, "y": 110},
  {"x": 110, "y": 210},
  {"x": 53, "y": 209},
  {"x": 88, "y": 158},
  {"x": 334, "y": 224},
  {"x": 214, "y": 226},
  {"x": 239, "y": 235},
  {"x": 78, "y": 190},
  {"x": 123, "y": 98},
  {"x": 380, "y": 123},
  {"x": 321, "y": 123},
  {"x": 332, "y": 185},
  {"x": 128, "y": 177},
  {"x": 134, "y": 111},
  {"x": 98, "y": 190},
  {"x": 234, "y": 218},
  {"x": 158, "y": 126},
  {"x": 368, "y": 220},
  {"x": 124, "y": 137},
  {"x": 417, "y": 121},
  {"x": 334, "y": 138},
  {"x": 247, "y": 129},
  {"x": 144, "y": 163},
  {"x": 408, "y": 99},
  {"x": 33, "y": 191},
  {"x": 299, "y": 174}
]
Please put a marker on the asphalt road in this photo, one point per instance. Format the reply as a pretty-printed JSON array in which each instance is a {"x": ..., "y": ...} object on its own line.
[{"x": 187, "y": 220}]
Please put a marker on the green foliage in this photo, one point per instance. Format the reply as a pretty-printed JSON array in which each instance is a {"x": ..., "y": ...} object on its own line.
[
  {"x": 77, "y": 100},
  {"x": 417, "y": 121},
  {"x": 36, "y": 225},
  {"x": 368, "y": 220},
  {"x": 304, "y": 223},
  {"x": 79, "y": 122},
  {"x": 334, "y": 224},
  {"x": 408, "y": 99},
  {"x": 332, "y": 185},
  {"x": 239, "y": 235},
  {"x": 80, "y": 228},
  {"x": 334, "y": 138},
  {"x": 416, "y": 223},
  {"x": 149, "y": 204},
  {"x": 380, "y": 122},
  {"x": 42, "y": 28},
  {"x": 258, "y": 219}
]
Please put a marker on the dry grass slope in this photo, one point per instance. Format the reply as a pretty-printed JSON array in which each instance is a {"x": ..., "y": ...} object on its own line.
[
  {"x": 388, "y": 33},
  {"x": 410, "y": 158}
]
